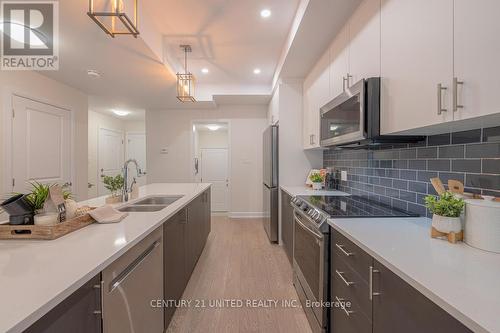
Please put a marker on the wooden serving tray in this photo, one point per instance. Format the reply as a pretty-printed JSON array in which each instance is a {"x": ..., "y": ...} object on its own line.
[{"x": 46, "y": 232}]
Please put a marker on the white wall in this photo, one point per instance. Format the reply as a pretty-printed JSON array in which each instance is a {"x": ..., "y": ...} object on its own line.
[
  {"x": 172, "y": 129},
  {"x": 96, "y": 121},
  {"x": 294, "y": 161},
  {"x": 38, "y": 87}
]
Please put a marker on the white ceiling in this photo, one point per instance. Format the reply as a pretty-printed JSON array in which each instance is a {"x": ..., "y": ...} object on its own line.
[{"x": 227, "y": 36}]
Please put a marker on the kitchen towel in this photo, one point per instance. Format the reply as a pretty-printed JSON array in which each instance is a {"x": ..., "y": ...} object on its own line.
[{"x": 107, "y": 214}]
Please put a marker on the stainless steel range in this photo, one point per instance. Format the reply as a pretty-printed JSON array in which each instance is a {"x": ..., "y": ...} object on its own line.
[
  {"x": 312, "y": 242},
  {"x": 310, "y": 261}
]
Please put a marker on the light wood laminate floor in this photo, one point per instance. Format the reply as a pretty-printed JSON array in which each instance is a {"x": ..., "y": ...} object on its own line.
[{"x": 239, "y": 263}]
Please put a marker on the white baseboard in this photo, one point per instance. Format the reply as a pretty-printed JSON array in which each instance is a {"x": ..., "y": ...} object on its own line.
[{"x": 245, "y": 215}]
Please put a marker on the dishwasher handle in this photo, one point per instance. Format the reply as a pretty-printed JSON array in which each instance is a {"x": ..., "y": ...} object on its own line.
[{"x": 116, "y": 282}]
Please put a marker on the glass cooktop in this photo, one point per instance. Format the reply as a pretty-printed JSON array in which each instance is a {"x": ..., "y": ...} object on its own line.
[{"x": 354, "y": 206}]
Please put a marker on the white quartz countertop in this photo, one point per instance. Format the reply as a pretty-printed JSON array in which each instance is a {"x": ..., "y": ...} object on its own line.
[
  {"x": 35, "y": 276},
  {"x": 304, "y": 190},
  {"x": 462, "y": 280}
]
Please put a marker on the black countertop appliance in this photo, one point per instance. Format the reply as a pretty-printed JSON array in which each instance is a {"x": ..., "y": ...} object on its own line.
[{"x": 19, "y": 209}]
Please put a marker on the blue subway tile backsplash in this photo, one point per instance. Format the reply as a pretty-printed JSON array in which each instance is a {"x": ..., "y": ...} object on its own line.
[{"x": 400, "y": 175}]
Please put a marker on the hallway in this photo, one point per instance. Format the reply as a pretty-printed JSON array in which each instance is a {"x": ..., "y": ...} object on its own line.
[{"x": 239, "y": 263}]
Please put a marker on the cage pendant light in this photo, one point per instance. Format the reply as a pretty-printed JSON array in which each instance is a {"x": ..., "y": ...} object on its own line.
[
  {"x": 186, "y": 81},
  {"x": 115, "y": 17}
]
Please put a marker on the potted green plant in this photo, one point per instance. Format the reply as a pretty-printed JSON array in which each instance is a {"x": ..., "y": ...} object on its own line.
[
  {"x": 446, "y": 210},
  {"x": 113, "y": 185},
  {"x": 317, "y": 180}
]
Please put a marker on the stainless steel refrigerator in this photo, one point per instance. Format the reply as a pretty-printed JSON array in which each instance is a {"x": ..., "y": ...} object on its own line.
[{"x": 270, "y": 172}]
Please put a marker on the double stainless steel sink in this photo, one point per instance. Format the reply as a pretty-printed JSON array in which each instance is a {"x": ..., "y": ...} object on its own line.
[{"x": 151, "y": 204}]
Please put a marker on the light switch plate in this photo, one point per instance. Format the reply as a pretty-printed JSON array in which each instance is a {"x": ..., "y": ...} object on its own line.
[{"x": 343, "y": 176}]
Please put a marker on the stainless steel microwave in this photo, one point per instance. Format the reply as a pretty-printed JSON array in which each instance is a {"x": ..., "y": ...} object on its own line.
[{"x": 353, "y": 116}]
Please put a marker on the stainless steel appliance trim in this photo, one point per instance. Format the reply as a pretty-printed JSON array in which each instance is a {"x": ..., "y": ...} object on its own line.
[
  {"x": 341, "y": 275},
  {"x": 356, "y": 89},
  {"x": 456, "y": 106},
  {"x": 341, "y": 248},
  {"x": 440, "y": 89},
  {"x": 115, "y": 283},
  {"x": 370, "y": 283},
  {"x": 306, "y": 228}
]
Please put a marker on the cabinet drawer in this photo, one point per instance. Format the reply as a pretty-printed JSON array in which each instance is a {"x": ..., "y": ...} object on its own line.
[
  {"x": 352, "y": 254},
  {"x": 349, "y": 284},
  {"x": 341, "y": 322}
]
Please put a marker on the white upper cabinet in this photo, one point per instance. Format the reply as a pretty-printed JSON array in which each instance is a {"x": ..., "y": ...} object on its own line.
[
  {"x": 339, "y": 63},
  {"x": 364, "y": 47},
  {"x": 477, "y": 55},
  {"x": 316, "y": 94},
  {"x": 416, "y": 57}
]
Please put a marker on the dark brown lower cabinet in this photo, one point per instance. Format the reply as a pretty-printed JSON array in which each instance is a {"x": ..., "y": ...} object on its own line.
[
  {"x": 174, "y": 261},
  {"x": 287, "y": 222},
  {"x": 184, "y": 237},
  {"x": 394, "y": 307},
  {"x": 401, "y": 308},
  {"x": 79, "y": 313}
]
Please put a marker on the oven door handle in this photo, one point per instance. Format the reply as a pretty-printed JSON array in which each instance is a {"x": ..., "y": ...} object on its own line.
[{"x": 316, "y": 234}]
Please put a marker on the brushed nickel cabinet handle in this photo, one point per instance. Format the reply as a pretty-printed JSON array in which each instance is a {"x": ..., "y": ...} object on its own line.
[
  {"x": 347, "y": 312},
  {"x": 440, "y": 89},
  {"x": 456, "y": 106},
  {"x": 341, "y": 275},
  {"x": 370, "y": 284},
  {"x": 341, "y": 248}
]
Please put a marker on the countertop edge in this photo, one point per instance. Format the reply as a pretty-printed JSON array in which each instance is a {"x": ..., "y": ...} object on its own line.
[
  {"x": 453, "y": 311},
  {"x": 57, "y": 299}
]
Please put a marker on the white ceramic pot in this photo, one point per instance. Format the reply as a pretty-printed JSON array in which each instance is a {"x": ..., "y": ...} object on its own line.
[
  {"x": 482, "y": 224},
  {"x": 317, "y": 186},
  {"x": 447, "y": 224}
]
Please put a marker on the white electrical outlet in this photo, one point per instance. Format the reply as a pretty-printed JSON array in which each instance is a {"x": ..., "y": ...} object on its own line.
[
  {"x": 164, "y": 150},
  {"x": 343, "y": 176}
]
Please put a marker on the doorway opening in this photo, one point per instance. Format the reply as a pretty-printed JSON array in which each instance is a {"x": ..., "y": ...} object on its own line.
[
  {"x": 211, "y": 160},
  {"x": 113, "y": 139}
]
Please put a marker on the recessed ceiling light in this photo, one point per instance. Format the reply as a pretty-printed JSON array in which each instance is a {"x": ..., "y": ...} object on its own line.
[
  {"x": 93, "y": 73},
  {"x": 265, "y": 13},
  {"x": 204, "y": 70},
  {"x": 213, "y": 127},
  {"x": 121, "y": 113},
  {"x": 256, "y": 71}
]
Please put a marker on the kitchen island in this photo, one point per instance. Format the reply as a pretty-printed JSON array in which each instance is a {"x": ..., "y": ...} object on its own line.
[{"x": 35, "y": 276}]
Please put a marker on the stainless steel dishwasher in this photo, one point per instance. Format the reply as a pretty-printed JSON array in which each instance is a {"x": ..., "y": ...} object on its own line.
[{"x": 130, "y": 284}]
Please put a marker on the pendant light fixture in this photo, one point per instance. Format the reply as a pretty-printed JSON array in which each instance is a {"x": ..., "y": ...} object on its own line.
[
  {"x": 111, "y": 16},
  {"x": 186, "y": 81}
]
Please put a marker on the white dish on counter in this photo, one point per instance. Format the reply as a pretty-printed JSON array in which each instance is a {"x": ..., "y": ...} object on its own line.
[{"x": 482, "y": 224}]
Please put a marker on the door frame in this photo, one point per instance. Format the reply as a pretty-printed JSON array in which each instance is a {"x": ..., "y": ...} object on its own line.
[
  {"x": 229, "y": 153},
  {"x": 98, "y": 145},
  {"x": 8, "y": 107}
]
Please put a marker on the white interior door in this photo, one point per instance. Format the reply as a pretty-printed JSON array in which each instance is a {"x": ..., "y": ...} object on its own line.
[
  {"x": 136, "y": 148},
  {"x": 214, "y": 170},
  {"x": 110, "y": 156},
  {"x": 41, "y": 144}
]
